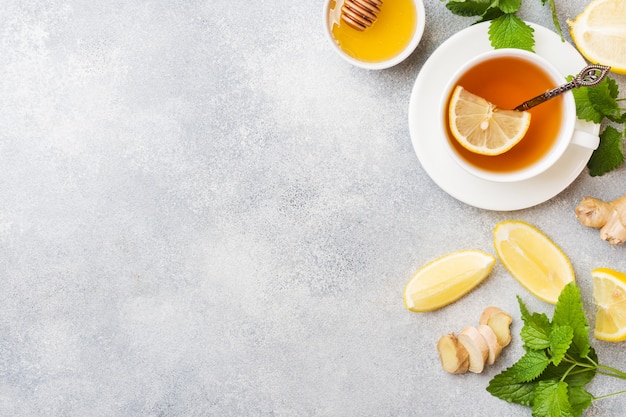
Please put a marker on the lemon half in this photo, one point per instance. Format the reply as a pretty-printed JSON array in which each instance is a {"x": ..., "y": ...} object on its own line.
[
  {"x": 609, "y": 294},
  {"x": 599, "y": 33}
]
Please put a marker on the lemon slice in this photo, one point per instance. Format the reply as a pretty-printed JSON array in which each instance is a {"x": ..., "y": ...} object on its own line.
[
  {"x": 609, "y": 294},
  {"x": 533, "y": 259},
  {"x": 599, "y": 33},
  {"x": 446, "y": 279},
  {"x": 481, "y": 127}
]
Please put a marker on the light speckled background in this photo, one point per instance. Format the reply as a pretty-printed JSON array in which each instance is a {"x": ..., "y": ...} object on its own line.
[{"x": 204, "y": 211}]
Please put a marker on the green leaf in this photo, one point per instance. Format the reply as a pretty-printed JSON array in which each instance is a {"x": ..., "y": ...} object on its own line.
[
  {"x": 569, "y": 312},
  {"x": 604, "y": 96},
  {"x": 551, "y": 400},
  {"x": 595, "y": 103},
  {"x": 509, "y": 31},
  {"x": 585, "y": 110},
  {"x": 468, "y": 8},
  {"x": 617, "y": 118},
  {"x": 530, "y": 366},
  {"x": 536, "y": 332},
  {"x": 580, "y": 399},
  {"x": 610, "y": 153},
  {"x": 560, "y": 341},
  {"x": 555, "y": 18},
  {"x": 490, "y": 14},
  {"x": 523, "y": 309},
  {"x": 506, "y": 387},
  {"x": 578, "y": 377},
  {"x": 509, "y": 6}
]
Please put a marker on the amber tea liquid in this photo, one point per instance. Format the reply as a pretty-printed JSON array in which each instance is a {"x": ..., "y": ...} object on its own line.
[{"x": 508, "y": 82}]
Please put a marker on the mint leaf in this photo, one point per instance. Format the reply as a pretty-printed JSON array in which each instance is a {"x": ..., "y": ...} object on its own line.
[
  {"x": 569, "y": 312},
  {"x": 594, "y": 103},
  {"x": 468, "y": 8},
  {"x": 523, "y": 309},
  {"x": 551, "y": 400},
  {"x": 580, "y": 378},
  {"x": 506, "y": 387},
  {"x": 555, "y": 17},
  {"x": 490, "y": 14},
  {"x": 585, "y": 110},
  {"x": 509, "y": 6},
  {"x": 509, "y": 31},
  {"x": 552, "y": 380},
  {"x": 610, "y": 153},
  {"x": 579, "y": 399},
  {"x": 560, "y": 341},
  {"x": 536, "y": 332},
  {"x": 604, "y": 97},
  {"x": 530, "y": 366},
  {"x": 576, "y": 380}
]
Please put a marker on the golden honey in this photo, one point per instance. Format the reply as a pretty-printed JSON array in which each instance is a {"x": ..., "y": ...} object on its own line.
[{"x": 387, "y": 37}]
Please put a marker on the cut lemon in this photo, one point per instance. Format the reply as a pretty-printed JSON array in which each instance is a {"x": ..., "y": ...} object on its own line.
[
  {"x": 533, "y": 259},
  {"x": 599, "y": 33},
  {"x": 446, "y": 279},
  {"x": 481, "y": 127},
  {"x": 609, "y": 294}
]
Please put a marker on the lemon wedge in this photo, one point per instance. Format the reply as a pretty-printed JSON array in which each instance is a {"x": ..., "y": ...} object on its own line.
[
  {"x": 599, "y": 33},
  {"x": 481, "y": 127},
  {"x": 609, "y": 294},
  {"x": 446, "y": 279},
  {"x": 533, "y": 259}
]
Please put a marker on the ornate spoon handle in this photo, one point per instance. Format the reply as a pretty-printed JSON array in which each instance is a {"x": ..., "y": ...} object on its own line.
[{"x": 589, "y": 76}]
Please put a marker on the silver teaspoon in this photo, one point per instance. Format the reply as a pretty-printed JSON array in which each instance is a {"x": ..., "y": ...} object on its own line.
[{"x": 589, "y": 76}]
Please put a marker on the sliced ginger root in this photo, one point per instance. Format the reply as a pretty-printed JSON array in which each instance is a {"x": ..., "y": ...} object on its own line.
[
  {"x": 476, "y": 347},
  {"x": 453, "y": 355},
  {"x": 500, "y": 323},
  {"x": 608, "y": 216},
  {"x": 495, "y": 348}
]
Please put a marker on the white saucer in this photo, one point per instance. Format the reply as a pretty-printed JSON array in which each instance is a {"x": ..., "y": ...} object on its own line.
[{"x": 428, "y": 141}]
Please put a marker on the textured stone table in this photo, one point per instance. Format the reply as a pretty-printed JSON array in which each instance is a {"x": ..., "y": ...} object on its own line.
[{"x": 206, "y": 212}]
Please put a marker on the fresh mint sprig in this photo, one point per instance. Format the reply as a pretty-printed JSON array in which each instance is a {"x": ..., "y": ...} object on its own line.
[
  {"x": 506, "y": 30},
  {"x": 558, "y": 362},
  {"x": 599, "y": 104}
]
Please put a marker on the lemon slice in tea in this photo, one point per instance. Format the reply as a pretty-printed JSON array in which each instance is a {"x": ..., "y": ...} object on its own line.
[{"x": 482, "y": 127}]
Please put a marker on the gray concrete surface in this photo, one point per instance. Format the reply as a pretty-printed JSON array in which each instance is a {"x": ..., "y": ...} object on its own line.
[{"x": 204, "y": 211}]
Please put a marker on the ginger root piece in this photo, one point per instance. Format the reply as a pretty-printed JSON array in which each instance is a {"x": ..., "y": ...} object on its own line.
[
  {"x": 495, "y": 348},
  {"x": 608, "y": 216},
  {"x": 500, "y": 323},
  {"x": 453, "y": 355},
  {"x": 488, "y": 312},
  {"x": 476, "y": 346}
]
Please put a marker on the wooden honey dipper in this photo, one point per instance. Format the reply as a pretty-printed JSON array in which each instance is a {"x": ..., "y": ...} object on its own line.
[{"x": 360, "y": 14}]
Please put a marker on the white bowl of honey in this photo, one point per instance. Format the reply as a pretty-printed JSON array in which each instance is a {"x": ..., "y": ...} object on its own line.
[{"x": 393, "y": 36}]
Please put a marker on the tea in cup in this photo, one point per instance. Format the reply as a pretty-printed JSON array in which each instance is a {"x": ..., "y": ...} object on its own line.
[{"x": 507, "y": 78}]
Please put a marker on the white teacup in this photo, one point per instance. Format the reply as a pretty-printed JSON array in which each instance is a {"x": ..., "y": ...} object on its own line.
[{"x": 507, "y": 78}]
